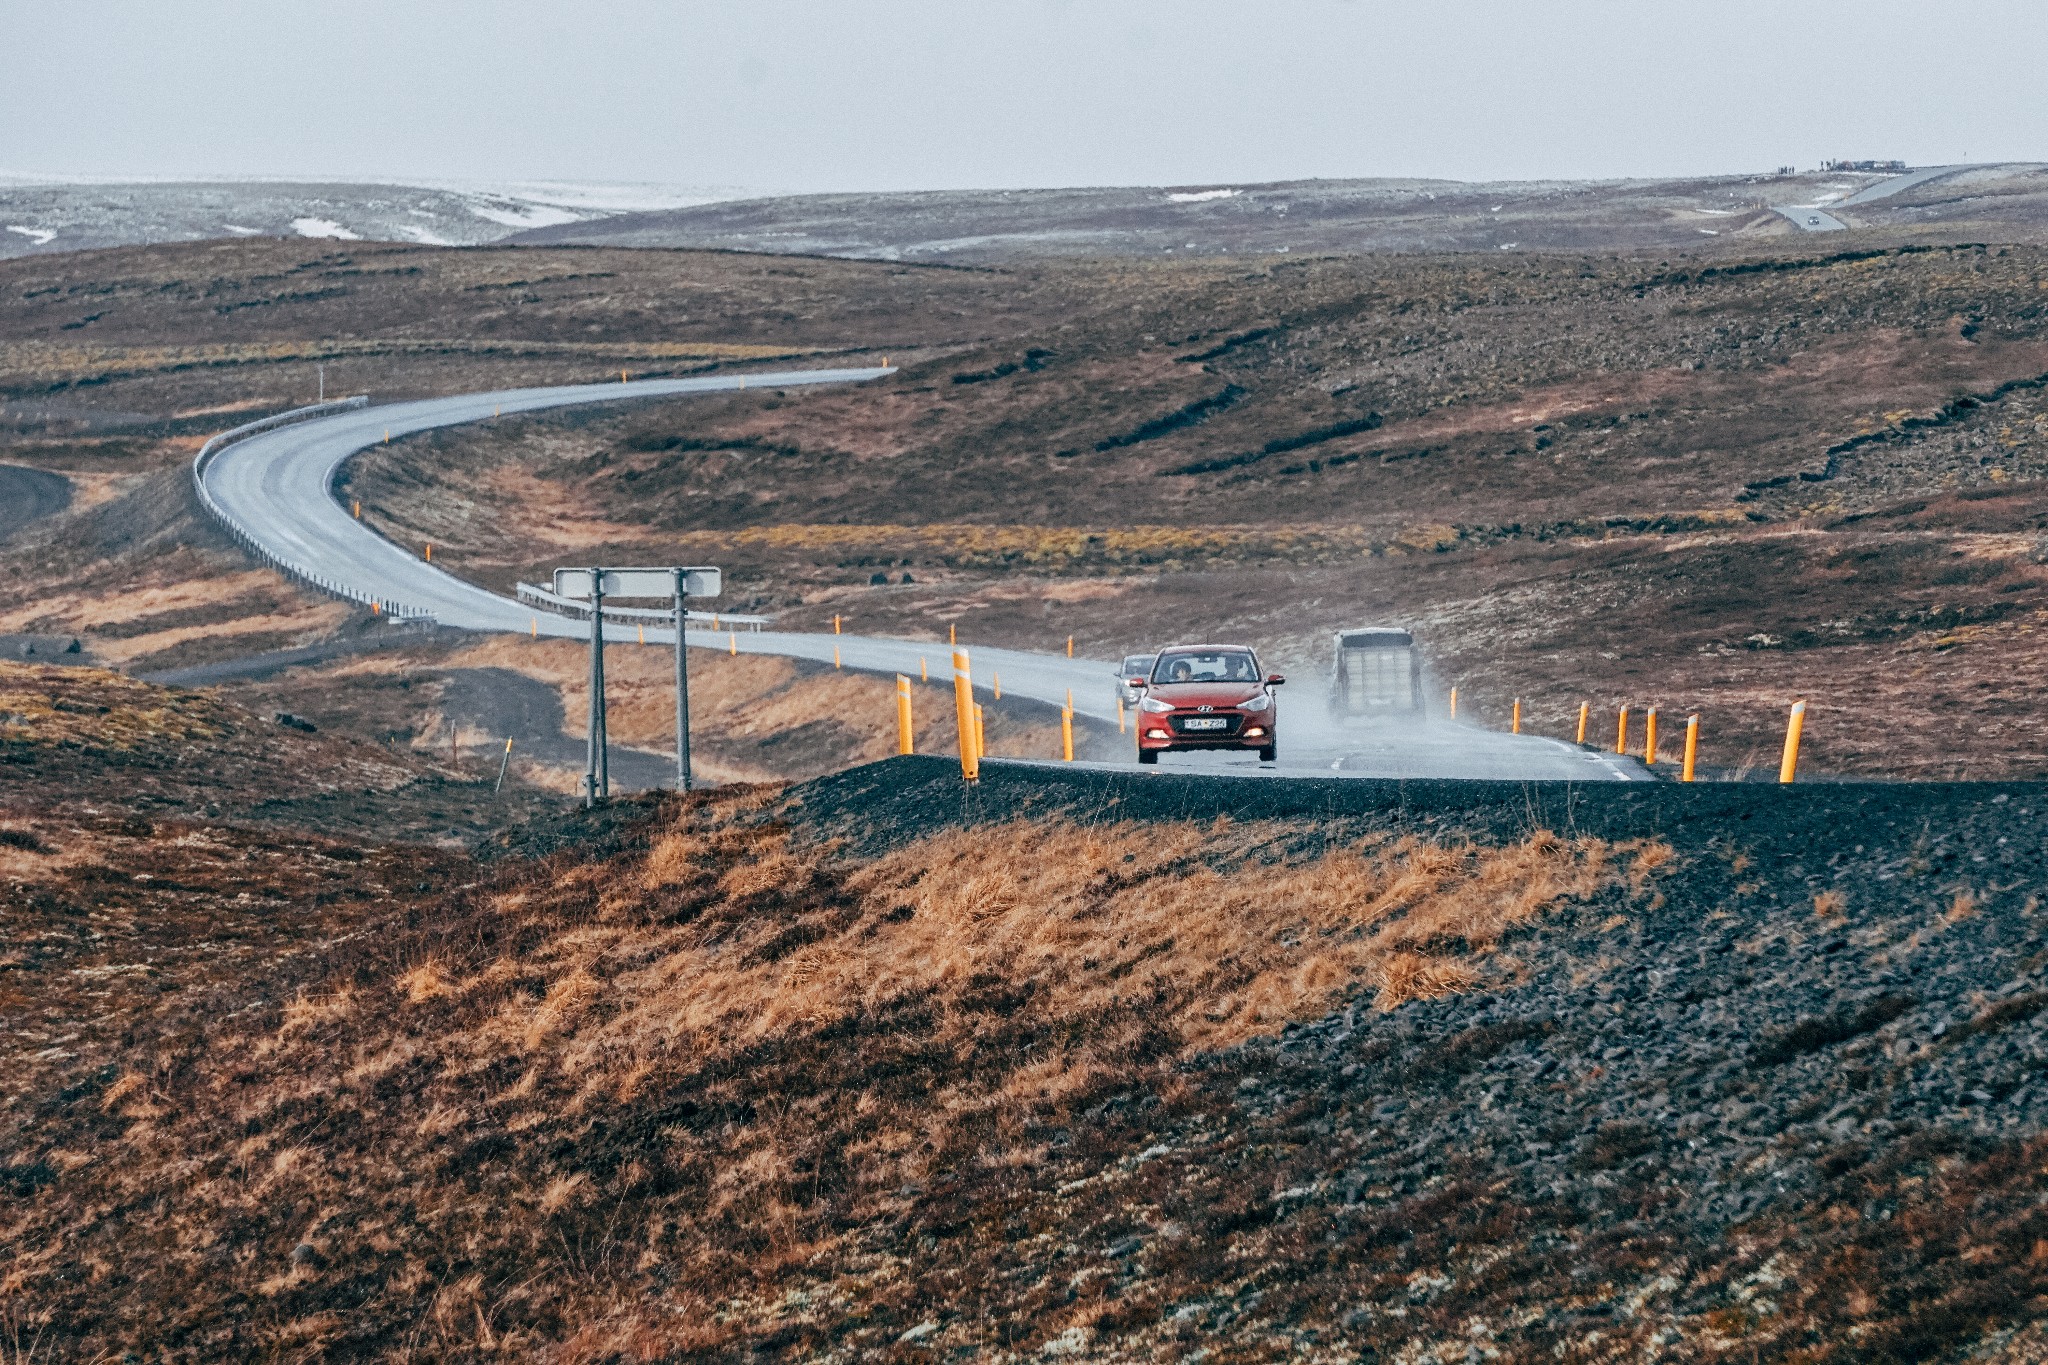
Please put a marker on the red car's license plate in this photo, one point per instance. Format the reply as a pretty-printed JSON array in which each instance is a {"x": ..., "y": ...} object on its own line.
[{"x": 1205, "y": 723}]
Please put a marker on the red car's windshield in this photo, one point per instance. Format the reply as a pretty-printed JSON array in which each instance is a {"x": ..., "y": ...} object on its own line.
[{"x": 1206, "y": 666}]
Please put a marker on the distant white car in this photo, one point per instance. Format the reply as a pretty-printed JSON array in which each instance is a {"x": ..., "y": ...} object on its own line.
[{"x": 1133, "y": 666}]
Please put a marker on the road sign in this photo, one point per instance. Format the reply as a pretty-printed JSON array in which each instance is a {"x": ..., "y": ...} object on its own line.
[
  {"x": 676, "y": 583},
  {"x": 698, "y": 581}
]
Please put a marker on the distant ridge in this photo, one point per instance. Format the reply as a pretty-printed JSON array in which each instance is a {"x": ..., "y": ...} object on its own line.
[
  {"x": 2002, "y": 203},
  {"x": 1993, "y": 203}
]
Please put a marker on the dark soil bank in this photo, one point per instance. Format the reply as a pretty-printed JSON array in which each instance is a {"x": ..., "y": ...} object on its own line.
[{"x": 1793, "y": 1107}]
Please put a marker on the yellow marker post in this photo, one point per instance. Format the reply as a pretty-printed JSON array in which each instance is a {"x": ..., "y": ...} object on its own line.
[
  {"x": 622, "y": 376},
  {"x": 387, "y": 436},
  {"x": 1454, "y": 703},
  {"x": 997, "y": 679},
  {"x": 359, "y": 509},
  {"x": 1650, "y": 737},
  {"x": 1515, "y": 728},
  {"x": 835, "y": 656},
  {"x": 952, "y": 635},
  {"x": 376, "y": 608},
  {"x": 497, "y": 411},
  {"x": 1621, "y": 731},
  {"x": 835, "y": 624},
  {"x": 1070, "y": 646},
  {"x": 1119, "y": 714},
  {"x": 430, "y": 553},
  {"x": 924, "y": 670},
  {"x": 980, "y": 733},
  {"x": 1585, "y": 713},
  {"x": 536, "y": 627},
  {"x": 1788, "y": 766},
  {"x": 732, "y": 643},
  {"x": 1692, "y": 747},
  {"x": 643, "y": 634},
  {"x": 903, "y": 744},
  {"x": 1067, "y": 729},
  {"x": 963, "y": 715}
]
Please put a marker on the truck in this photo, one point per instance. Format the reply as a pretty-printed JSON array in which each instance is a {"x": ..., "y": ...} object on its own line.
[{"x": 1379, "y": 672}]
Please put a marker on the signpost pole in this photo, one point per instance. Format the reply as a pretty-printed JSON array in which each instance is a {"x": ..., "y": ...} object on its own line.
[
  {"x": 675, "y": 582},
  {"x": 682, "y": 687},
  {"x": 595, "y": 764}
]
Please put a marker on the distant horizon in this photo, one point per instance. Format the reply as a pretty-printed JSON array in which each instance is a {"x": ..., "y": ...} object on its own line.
[{"x": 540, "y": 188}]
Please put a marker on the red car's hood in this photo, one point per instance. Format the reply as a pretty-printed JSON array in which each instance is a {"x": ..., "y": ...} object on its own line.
[{"x": 1205, "y": 694}]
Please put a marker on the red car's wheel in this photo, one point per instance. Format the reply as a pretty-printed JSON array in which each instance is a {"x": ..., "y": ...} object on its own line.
[{"x": 1148, "y": 755}]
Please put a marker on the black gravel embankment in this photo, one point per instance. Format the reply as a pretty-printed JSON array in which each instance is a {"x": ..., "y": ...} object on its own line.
[{"x": 1795, "y": 1094}]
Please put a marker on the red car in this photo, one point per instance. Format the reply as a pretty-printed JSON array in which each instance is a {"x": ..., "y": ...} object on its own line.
[{"x": 1207, "y": 697}]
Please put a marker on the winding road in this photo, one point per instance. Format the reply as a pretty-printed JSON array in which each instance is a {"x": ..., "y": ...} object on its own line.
[
  {"x": 28, "y": 495},
  {"x": 277, "y": 486}
]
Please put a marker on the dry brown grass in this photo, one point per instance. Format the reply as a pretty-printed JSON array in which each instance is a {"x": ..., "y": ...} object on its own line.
[
  {"x": 1082, "y": 922},
  {"x": 711, "y": 1062}
]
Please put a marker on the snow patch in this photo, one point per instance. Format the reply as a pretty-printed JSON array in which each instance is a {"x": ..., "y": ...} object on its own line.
[
  {"x": 39, "y": 236},
  {"x": 323, "y": 227},
  {"x": 517, "y": 215},
  {"x": 1201, "y": 196},
  {"x": 424, "y": 236},
  {"x": 595, "y": 198},
  {"x": 241, "y": 231}
]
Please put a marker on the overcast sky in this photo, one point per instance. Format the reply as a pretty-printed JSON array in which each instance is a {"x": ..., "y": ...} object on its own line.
[{"x": 791, "y": 95}]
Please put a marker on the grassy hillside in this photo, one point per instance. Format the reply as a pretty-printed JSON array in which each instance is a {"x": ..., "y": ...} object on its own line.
[
  {"x": 1712, "y": 483},
  {"x": 882, "y": 1069}
]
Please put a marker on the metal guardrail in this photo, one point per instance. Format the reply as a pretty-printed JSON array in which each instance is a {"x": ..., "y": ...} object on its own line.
[
  {"x": 533, "y": 595},
  {"x": 397, "y": 611}
]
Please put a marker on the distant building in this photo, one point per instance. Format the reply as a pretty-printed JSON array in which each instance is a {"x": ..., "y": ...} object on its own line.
[{"x": 1873, "y": 167}]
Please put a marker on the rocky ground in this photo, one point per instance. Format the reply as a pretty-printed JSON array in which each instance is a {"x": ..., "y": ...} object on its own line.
[{"x": 1066, "y": 1065}]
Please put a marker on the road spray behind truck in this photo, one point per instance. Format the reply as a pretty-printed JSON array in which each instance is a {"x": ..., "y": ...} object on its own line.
[{"x": 1379, "y": 673}]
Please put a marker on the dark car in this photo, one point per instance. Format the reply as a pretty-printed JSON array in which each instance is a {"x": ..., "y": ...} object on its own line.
[{"x": 1207, "y": 697}]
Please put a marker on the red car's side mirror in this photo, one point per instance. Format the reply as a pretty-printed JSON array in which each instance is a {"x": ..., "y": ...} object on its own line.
[{"x": 1274, "y": 679}]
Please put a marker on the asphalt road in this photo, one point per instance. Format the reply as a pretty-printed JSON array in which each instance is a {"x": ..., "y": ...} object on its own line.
[
  {"x": 1885, "y": 189},
  {"x": 277, "y": 486},
  {"x": 28, "y": 495},
  {"x": 1808, "y": 218}
]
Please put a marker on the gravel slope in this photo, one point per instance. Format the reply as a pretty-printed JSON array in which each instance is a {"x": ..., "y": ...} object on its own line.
[{"x": 1792, "y": 1107}]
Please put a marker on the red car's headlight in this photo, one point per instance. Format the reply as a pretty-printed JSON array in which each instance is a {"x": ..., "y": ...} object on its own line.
[
  {"x": 1154, "y": 705},
  {"x": 1262, "y": 702}
]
